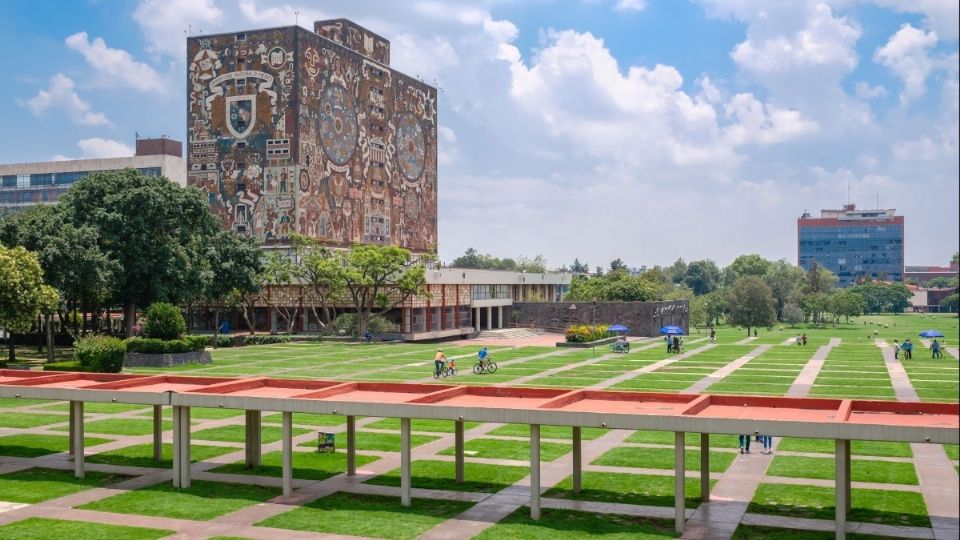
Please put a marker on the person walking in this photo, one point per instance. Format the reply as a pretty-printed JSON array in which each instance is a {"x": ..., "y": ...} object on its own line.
[
  {"x": 804, "y": 338},
  {"x": 896, "y": 350},
  {"x": 669, "y": 343},
  {"x": 744, "y": 444},
  {"x": 935, "y": 349},
  {"x": 909, "y": 345},
  {"x": 767, "y": 442}
]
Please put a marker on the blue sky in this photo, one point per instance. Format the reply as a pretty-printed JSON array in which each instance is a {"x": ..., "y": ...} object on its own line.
[{"x": 711, "y": 122}]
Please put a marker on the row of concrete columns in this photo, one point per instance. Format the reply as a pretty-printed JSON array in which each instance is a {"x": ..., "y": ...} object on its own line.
[
  {"x": 253, "y": 447},
  {"x": 490, "y": 317}
]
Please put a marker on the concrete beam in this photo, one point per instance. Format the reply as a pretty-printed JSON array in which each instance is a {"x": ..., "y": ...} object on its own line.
[
  {"x": 534, "y": 471},
  {"x": 76, "y": 422},
  {"x": 458, "y": 447},
  {"x": 351, "y": 446},
  {"x": 287, "y": 436},
  {"x": 679, "y": 481},
  {"x": 705, "y": 467},
  {"x": 405, "y": 497},
  {"x": 577, "y": 459}
]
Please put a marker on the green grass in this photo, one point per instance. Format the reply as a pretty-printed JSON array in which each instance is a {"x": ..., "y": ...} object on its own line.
[
  {"x": 205, "y": 413},
  {"x": 29, "y": 420},
  {"x": 419, "y": 424},
  {"x": 120, "y": 426},
  {"x": 202, "y": 501},
  {"x": 99, "y": 408},
  {"x": 516, "y": 450},
  {"x": 885, "y": 472},
  {"x": 642, "y": 489},
  {"x": 377, "y": 442},
  {"x": 367, "y": 515},
  {"x": 478, "y": 477},
  {"x": 31, "y": 486},
  {"x": 12, "y": 403},
  {"x": 568, "y": 525},
  {"x": 46, "y": 529},
  {"x": 547, "y": 432},
  {"x": 28, "y": 445},
  {"x": 857, "y": 448},
  {"x": 662, "y": 458},
  {"x": 237, "y": 433},
  {"x": 306, "y": 465},
  {"x": 757, "y": 532},
  {"x": 868, "y": 505},
  {"x": 952, "y": 450},
  {"x": 141, "y": 455}
]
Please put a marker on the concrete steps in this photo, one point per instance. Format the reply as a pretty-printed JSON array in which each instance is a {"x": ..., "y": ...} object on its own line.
[{"x": 510, "y": 333}]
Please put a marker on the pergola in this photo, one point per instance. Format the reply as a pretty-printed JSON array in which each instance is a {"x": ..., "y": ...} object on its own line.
[{"x": 840, "y": 420}]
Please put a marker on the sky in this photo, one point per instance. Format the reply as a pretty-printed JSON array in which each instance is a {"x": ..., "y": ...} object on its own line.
[{"x": 644, "y": 130}]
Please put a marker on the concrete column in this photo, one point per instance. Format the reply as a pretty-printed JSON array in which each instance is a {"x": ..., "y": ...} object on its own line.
[
  {"x": 577, "y": 459},
  {"x": 534, "y": 471},
  {"x": 842, "y": 493},
  {"x": 253, "y": 446},
  {"x": 405, "y": 499},
  {"x": 76, "y": 421},
  {"x": 177, "y": 457},
  {"x": 458, "y": 445},
  {"x": 705, "y": 467},
  {"x": 157, "y": 432},
  {"x": 72, "y": 438},
  {"x": 287, "y": 436},
  {"x": 351, "y": 446},
  {"x": 679, "y": 481},
  {"x": 489, "y": 317},
  {"x": 476, "y": 319},
  {"x": 499, "y": 316},
  {"x": 847, "y": 476},
  {"x": 185, "y": 447}
]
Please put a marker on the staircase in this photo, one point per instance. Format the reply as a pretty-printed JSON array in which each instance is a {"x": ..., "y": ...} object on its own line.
[{"x": 510, "y": 333}]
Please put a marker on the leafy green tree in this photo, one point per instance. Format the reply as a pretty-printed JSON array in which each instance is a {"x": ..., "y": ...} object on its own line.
[
  {"x": 278, "y": 288},
  {"x": 784, "y": 280},
  {"x": 846, "y": 303},
  {"x": 897, "y": 296},
  {"x": 751, "y": 303},
  {"x": 819, "y": 279},
  {"x": 233, "y": 264},
  {"x": 702, "y": 276},
  {"x": 716, "y": 305},
  {"x": 956, "y": 257},
  {"x": 941, "y": 282},
  {"x": 745, "y": 265},
  {"x": 164, "y": 321},
  {"x": 793, "y": 314},
  {"x": 322, "y": 271},
  {"x": 617, "y": 264},
  {"x": 698, "y": 312},
  {"x": 473, "y": 259},
  {"x": 815, "y": 305},
  {"x": 579, "y": 267},
  {"x": 23, "y": 294},
  {"x": 381, "y": 278},
  {"x": 676, "y": 271},
  {"x": 950, "y": 303}
]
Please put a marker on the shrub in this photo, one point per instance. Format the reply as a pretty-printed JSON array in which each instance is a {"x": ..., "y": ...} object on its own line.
[
  {"x": 265, "y": 340},
  {"x": 379, "y": 325},
  {"x": 103, "y": 354},
  {"x": 164, "y": 321},
  {"x": 346, "y": 323},
  {"x": 585, "y": 333},
  {"x": 170, "y": 346},
  {"x": 71, "y": 365}
]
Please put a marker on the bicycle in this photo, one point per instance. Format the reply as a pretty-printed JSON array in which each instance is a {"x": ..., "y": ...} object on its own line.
[
  {"x": 445, "y": 371},
  {"x": 488, "y": 366}
]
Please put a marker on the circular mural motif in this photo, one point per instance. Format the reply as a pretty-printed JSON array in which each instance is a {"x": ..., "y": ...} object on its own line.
[
  {"x": 411, "y": 146},
  {"x": 338, "y": 124}
]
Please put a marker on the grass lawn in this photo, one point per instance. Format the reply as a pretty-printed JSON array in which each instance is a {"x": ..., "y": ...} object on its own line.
[
  {"x": 12, "y": 403},
  {"x": 419, "y": 424},
  {"x": 202, "y": 501},
  {"x": 885, "y": 472},
  {"x": 237, "y": 433},
  {"x": 478, "y": 477},
  {"x": 648, "y": 490},
  {"x": 35, "y": 485},
  {"x": 868, "y": 505},
  {"x": 857, "y": 448},
  {"x": 29, "y": 420},
  {"x": 952, "y": 450},
  {"x": 518, "y": 450},
  {"x": 99, "y": 408},
  {"x": 120, "y": 426},
  {"x": 568, "y": 525},
  {"x": 45, "y": 529},
  {"x": 306, "y": 465},
  {"x": 39, "y": 445},
  {"x": 205, "y": 413},
  {"x": 141, "y": 455},
  {"x": 662, "y": 458},
  {"x": 377, "y": 442},
  {"x": 367, "y": 515},
  {"x": 548, "y": 432},
  {"x": 757, "y": 532}
]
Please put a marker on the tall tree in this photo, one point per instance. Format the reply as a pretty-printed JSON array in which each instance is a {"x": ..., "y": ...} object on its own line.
[
  {"x": 846, "y": 303},
  {"x": 233, "y": 264},
  {"x": 745, "y": 265},
  {"x": 381, "y": 278},
  {"x": 751, "y": 303},
  {"x": 784, "y": 280},
  {"x": 579, "y": 267},
  {"x": 321, "y": 270},
  {"x": 617, "y": 264},
  {"x": 676, "y": 271},
  {"x": 702, "y": 276},
  {"x": 279, "y": 288},
  {"x": 819, "y": 279},
  {"x": 23, "y": 294}
]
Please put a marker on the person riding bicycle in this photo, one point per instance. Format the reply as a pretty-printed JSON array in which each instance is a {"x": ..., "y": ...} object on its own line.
[
  {"x": 484, "y": 356},
  {"x": 438, "y": 362}
]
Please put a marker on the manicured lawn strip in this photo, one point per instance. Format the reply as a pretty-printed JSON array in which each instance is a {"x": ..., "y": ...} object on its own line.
[
  {"x": 868, "y": 505},
  {"x": 419, "y": 424},
  {"x": 31, "y": 486},
  {"x": 885, "y": 472},
  {"x": 570, "y": 525},
  {"x": 237, "y": 433},
  {"x": 547, "y": 432},
  {"x": 141, "y": 455},
  {"x": 757, "y": 532},
  {"x": 662, "y": 458},
  {"x": 642, "y": 489},
  {"x": 952, "y": 450},
  {"x": 367, "y": 515},
  {"x": 202, "y": 501},
  {"x": 98, "y": 408},
  {"x": 379, "y": 442},
  {"x": 306, "y": 465},
  {"x": 517, "y": 450},
  {"x": 478, "y": 477},
  {"x": 120, "y": 426},
  {"x": 12, "y": 403},
  {"x": 857, "y": 448},
  {"x": 28, "y": 445},
  {"x": 47, "y": 529},
  {"x": 690, "y": 439},
  {"x": 29, "y": 420},
  {"x": 205, "y": 413}
]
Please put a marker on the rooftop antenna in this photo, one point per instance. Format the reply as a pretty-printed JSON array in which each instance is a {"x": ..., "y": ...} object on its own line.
[
  {"x": 848, "y": 192},
  {"x": 188, "y": 30},
  {"x": 296, "y": 18}
]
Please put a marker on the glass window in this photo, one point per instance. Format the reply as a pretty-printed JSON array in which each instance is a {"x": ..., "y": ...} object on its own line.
[{"x": 9, "y": 180}]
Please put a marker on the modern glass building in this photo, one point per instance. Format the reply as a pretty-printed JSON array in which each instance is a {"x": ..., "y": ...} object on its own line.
[{"x": 853, "y": 244}]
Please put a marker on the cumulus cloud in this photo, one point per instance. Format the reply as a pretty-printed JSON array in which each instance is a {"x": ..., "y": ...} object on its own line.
[
  {"x": 907, "y": 55},
  {"x": 164, "y": 23},
  {"x": 61, "y": 94},
  {"x": 866, "y": 91},
  {"x": 116, "y": 66},
  {"x": 98, "y": 148},
  {"x": 630, "y": 5},
  {"x": 941, "y": 16},
  {"x": 761, "y": 123}
]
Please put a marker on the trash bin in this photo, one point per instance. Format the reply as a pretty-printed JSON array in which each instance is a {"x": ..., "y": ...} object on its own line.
[{"x": 326, "y": 442}]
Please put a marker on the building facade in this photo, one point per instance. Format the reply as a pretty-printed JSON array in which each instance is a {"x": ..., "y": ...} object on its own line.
[
  {"x": 293, "y": 131},
  {"x": 923, "y": 274},
  {"x": 853, "y": 244},
  {"x": 23, "y": 185}
]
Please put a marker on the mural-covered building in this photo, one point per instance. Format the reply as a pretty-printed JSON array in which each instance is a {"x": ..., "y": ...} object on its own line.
[{"x": 292, "y": 131}]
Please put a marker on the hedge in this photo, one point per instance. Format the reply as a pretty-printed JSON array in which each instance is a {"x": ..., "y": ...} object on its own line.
[
  {"x": 103, "y": 354},
  {"x": 72, "y": 365},
  {"x": 265, "y": 340},
  {"x": 585, "y": 333},
  {"x": 171, "y": 346}
]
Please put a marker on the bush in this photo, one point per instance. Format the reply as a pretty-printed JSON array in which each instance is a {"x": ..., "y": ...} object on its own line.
[
  {"x": 164, "y": 321},
  {"x": 222, "y": 341},
  {"x": 379, "y": 325},
  {"x": 346, "y": 323},
  {"x": 265, "y": 340},
  {"x": 170, "y": 346},
  {"x": 585, "y": 333},
  {"x": 102, "y": 354}
]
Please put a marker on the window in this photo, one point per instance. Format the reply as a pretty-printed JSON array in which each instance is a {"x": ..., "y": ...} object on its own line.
[
  {"x": 9, "y": 180},
  {"x": 241, "y": 37},
  {"x": 151, "y": 171}
]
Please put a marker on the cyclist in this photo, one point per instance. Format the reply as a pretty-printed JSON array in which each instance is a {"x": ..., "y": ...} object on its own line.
[
  {"x": 484, "y": 356},
  {"x": 438, "y": 361}
]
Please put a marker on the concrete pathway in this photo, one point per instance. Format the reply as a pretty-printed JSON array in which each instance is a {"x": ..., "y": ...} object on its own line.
[
  {"x": 705, "y": 382},
  {"x": 804, "y": 382}
]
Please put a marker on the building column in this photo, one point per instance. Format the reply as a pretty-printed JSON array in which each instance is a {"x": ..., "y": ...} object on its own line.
[
  {"x": 158, "y": 433},
  {"x": 534, "y": 471},
  {"x": 177, "y": 428},
  {"x": 679, "y": 481},
  {"x": 287, "y": 445},
  {"x": 476, "y": 319},
  {"x": 351, "y": 446},
  {"x": 76, "y": 421},
  {"x": 705, "y": 467},
  {"x": 577, "y": 459},
  {"x": 405, "y": 499},
  {"x": 458, "y": 449},
  {"x": 184, "y": 447},
  {"x": 842, "y": 491},
  {"x": 489, "y": 317},
  {"x": 253, "y": 446},
  {"x": 499, "y": 316},
  {"x": 72, "y": 439}
]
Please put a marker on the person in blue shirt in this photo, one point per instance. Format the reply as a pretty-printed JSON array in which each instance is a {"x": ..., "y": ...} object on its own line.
[
  {"x": 935, "y": 348},
  {"x": 483, "y": 354}
]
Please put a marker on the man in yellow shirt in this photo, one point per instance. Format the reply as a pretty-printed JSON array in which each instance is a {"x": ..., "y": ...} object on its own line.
[{"x": 438, "y": 362}]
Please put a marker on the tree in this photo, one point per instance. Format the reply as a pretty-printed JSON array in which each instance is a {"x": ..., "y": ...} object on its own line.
[
  {"x": 793, "y": 314},
  {"x": 381, "y": 277},
  {"x": 579, "y": 267},
  {"x": 22, "y": 293},
  {"x": 676, "y": 271},
  {"x": 951, "y": 303},
  {"x": 702, "y": 276},
  {"x": 815, "y": 305},
  {"x": 745, "y": 265},
  {"x": 956, "y": 257},
  {"x": 751, "y": 303},
  {"x": 698, "y": 312},
  {"x": 278, "y": 288},
  {"x": 234, "y": 263},
  {"x": 473, "y": 259},
  {"x": 941, "y": 282},
  {"x": 846, "y": 303},
  {"x": 819, "y": 279},
  {"x": 617, "y": 264},
  {"x": 784, "y": 280},
  {"x": 716, "y": 305},
  {"x": 320, "y": 268}
]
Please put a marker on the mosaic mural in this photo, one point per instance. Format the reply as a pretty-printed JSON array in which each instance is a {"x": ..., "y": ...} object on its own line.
[{"x": 293, "y": 132}]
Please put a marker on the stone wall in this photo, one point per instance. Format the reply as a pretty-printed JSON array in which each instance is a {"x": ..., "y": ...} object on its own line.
[
  {"x": 642, "y": 318},
  {"x": 133, "y": 359}
]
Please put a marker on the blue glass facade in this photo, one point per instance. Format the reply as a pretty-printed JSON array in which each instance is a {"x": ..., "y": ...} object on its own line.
[
  {"x": 18, "y": 191},
  {"x": 853, "y": 249}
]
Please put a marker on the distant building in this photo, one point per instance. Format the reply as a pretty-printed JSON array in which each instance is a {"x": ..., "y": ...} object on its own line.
[
  {"x": 923, "y": 274},
  {"x": 23, "y": 185},
  {"x": 853, "y": 244}
]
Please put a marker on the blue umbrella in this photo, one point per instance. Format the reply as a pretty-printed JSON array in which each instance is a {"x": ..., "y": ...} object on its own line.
[
  {"x": 672, "y": 330},
  {"x": 617, "y": 328},
  {"x": 931, "y": 333}
]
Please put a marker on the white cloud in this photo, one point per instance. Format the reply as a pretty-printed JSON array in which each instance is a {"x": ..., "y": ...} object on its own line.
[
  {"x": 763, "y": 123},
  {"x": 61, "y": 94},
  {"x": 98, "y": 148},
  {"x": 422, "y": 57},
  {"x": 164, "y": 23},
  {"x": 630, "y": 5},
  {"x": 941, "y": 16},
  {"x": 866, "y": 91},
  {"x": 116, "y": 66},
  {"x": 907, "y": 55}
]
